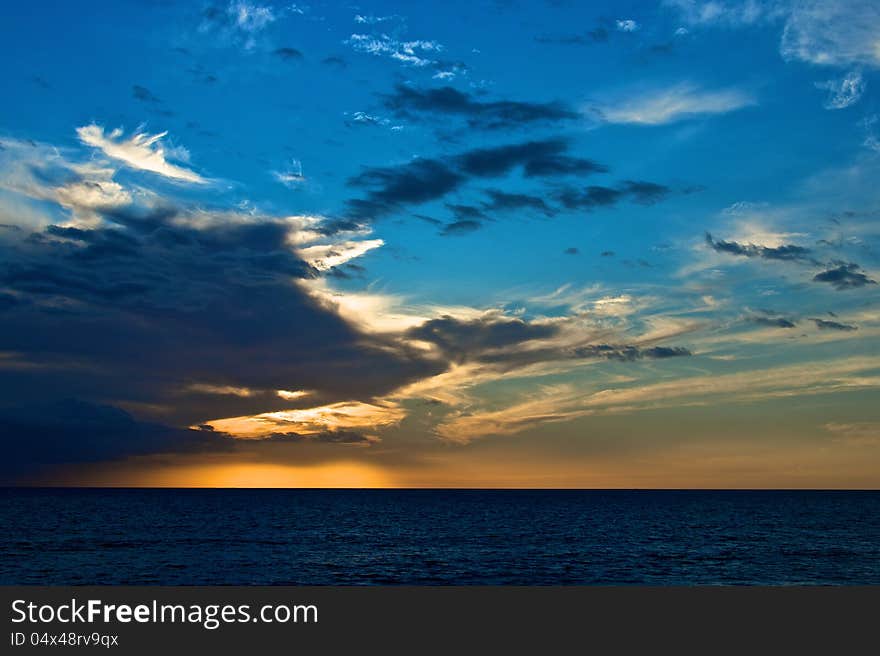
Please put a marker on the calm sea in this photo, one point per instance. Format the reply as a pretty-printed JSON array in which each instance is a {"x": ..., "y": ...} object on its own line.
[{"x": 346, "y": 537}]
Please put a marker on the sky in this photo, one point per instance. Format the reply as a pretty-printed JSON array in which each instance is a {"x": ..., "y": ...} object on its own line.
[{"x": 473, "y": 244}]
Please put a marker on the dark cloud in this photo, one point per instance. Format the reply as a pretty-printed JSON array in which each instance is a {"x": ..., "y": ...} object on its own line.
[
  {"x": 590, "y": 197},
  {"x": 638, "y": 191},
  {"x": 501, "y": 201},
  {"x": 458, "y": 228},
  {"x": 416, "y": 182},
  {"x": 646, "y": 193},
  {"x": 538, "y": 159},
  {"x": 42, "y": 434},
  {"x": 423, "y": 180},
  {"x": 407, "y": 100},
  {"x": 462, "y": 339},
  {"x": 138, "y": 311},
  {"x": 784, "y": 252},
  {"x": 8, "y": 301},
  {"x": 844, "y": 275},
  {"x": 629, "y": 353},
  {"x": 555, "y": 165},
  {"x": 773, "y": 322},
  {"x": 288, "y": 54},
  {"x": 326, "y": 437},
  {"x": 144, "y": 94},
  {"x": 466, "y": 212},
  {"x": 824, "y": 324}
]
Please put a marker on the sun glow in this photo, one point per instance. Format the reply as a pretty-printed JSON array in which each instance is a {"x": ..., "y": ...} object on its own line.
[{"x": 260, "y": 475}]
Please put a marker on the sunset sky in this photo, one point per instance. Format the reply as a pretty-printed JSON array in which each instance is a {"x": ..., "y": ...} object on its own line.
[{"x": 481, "y": 244}]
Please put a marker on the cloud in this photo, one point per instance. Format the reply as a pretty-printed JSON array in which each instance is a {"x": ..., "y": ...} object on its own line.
[
  {"x": 845, "y": 275},
  {"x": 594, "y": 196},
  {"x": 461, "y": 227},
  {"x": 502, "y": 201},
  {"x": 328, "y": 256},
  {"x": 856, "y": 434},
  {"x": 207, "y": 388},
  {"x": 465, "y": 212},
  {"x": 537, "y": 158},
  {"x": 422, "y": 180},
  {"x": 843, "y": 92},
  {"x": 317, "y": 422},
  {"x": 489, "y": 115},
  {"x": 140, "y": 151},
  {"x": 416, "y": 53},
  {"x": 782, "y": 252},
  {"x": 735, "y": 13},
  {"x": 288, "y": 54},
  {"x": 560, "y": 403},
  {"x": 144, "y": 94},
  {"x": 773, "y": 321},
  {"x": 825, "y": 324},
  {"x": 159, "y": 283},
  {"x": 239, "y": 22},
  {"x": 832, "y": 32},
  {"x": 460, "y": 340},
  {"x": 45, "y": 433},
  {"x": 675, "y": 103},
  {"x": 328, "y": 437},
  {"x": 415, "y": 182},
  {"x": 626, "y": 25},
  {"x": 365, "y": 119},
  {"x": 822, "y": 32},
  {"x": 292, "y": 176}
]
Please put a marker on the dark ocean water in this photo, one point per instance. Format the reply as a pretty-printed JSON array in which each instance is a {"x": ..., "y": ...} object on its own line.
[{"x": 438, "y": 537}]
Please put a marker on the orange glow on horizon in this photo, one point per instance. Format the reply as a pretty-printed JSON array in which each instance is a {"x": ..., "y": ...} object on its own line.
[{"x": 241, "y": 475}]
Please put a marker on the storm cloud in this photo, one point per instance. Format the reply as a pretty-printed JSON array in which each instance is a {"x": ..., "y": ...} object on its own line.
[
  {"x": 68, "y": 431},
  {"x": 162, "y": 298}
]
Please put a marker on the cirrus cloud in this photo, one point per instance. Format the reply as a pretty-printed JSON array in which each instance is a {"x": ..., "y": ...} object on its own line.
[
  {"x": 140, "y": 151},
  {"x": 674, "y": 103}
]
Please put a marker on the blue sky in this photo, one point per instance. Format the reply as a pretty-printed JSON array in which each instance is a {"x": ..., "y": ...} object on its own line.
[{"x": 429, "y": 241}]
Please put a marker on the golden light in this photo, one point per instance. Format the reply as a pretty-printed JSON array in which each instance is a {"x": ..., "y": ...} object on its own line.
[
  {"x": 352, "y": 415},
  {"x": 342, "y": 474}
]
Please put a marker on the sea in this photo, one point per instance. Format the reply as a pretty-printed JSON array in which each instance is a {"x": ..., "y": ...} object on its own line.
[{"x": 438, "y": 537}]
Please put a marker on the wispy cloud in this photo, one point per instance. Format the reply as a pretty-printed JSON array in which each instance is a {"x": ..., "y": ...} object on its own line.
[
  {"x": 843, "y": 92},
  {"x": 328, "y": 256},
  {"x": 417, "y": 53},
  {"x": 139, "y": 151},
  {"x": 832, "y": 32},
  {"x": 292, "y": 176},
  {"x": 318, "y": 420},
  {"x": 240, "y": 21},
  {"x": 675, "y": 103},
  {"x": 559, "y": 403},
  {"x": 823, "y": 32}
]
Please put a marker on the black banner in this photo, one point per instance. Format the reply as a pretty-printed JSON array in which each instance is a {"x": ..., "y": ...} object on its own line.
[{"x": 328, "y": 620}]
